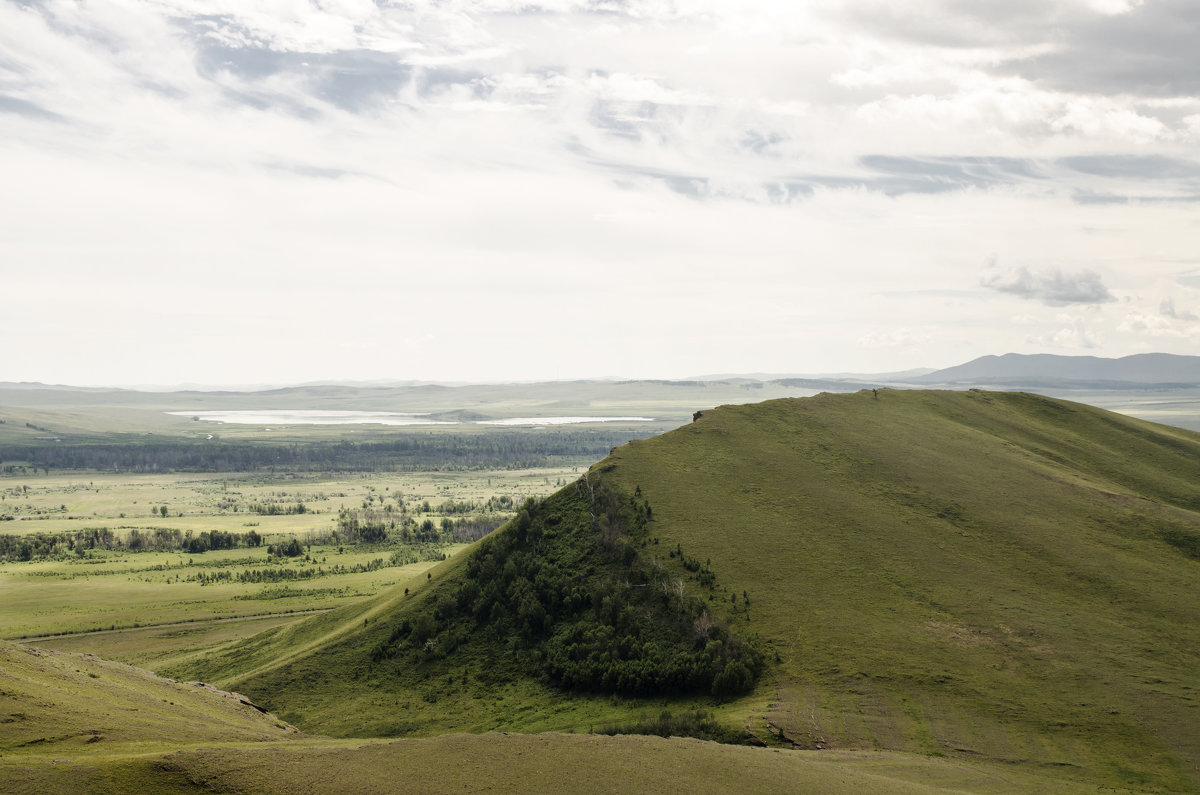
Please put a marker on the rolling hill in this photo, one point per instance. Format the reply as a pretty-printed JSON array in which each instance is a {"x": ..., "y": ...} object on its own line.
[{"x": 998, "y": 577}]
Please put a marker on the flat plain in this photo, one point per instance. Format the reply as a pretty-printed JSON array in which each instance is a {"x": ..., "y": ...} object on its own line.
[{"x": 145, "y": 607}]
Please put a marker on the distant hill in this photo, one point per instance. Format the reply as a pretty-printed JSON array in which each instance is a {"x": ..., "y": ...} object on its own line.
[
  {"x": 1044, "y": 368},
  {"x": 991, "y": 576}
]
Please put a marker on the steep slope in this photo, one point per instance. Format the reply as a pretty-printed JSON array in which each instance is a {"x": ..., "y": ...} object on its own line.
[{"x": 993, "y": 576}]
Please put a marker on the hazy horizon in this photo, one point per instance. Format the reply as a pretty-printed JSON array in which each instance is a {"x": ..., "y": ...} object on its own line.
[{"x": 227, "y": 193}]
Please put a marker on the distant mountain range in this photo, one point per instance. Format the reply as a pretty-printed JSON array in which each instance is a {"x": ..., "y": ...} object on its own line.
[{"x": 1043, "y": 368}]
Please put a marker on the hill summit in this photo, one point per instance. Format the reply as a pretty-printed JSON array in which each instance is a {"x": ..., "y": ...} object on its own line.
[{"x": 995, "y": 576}]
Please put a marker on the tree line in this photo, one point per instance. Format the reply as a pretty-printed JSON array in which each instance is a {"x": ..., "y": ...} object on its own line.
[{"x": 160, "y": 539}]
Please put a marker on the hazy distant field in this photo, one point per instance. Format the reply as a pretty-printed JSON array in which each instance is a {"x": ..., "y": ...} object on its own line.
[
  {"x": 150, "y": 608},
  {"x": 1178, "y": 407},
  {"x": 40, "y": 503},
  {"x": 32, "y": 415}
]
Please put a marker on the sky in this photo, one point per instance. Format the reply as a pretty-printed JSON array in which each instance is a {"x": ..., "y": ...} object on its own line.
[{"x": 229, "y": 191}]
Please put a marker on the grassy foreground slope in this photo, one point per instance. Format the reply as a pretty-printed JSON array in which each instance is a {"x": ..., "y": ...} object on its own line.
[
  {"x": 74, "y": 723},
  {"x": 64, "y": 704},
  {"x": 977, "y": 575}
]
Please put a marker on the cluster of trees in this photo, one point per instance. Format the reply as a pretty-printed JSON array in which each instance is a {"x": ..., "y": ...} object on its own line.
[
  {"x": 457, "y": 506},
  {"x": 278, "y": 508},
  {"x": 416, "y": 553},
  {"x": 287, "y": 549},
  {"x": 293, "y": 549},
  {"x": 367, "y": 525},
  {"x": 502, "y": 502},
  {"x": 276, "y": 574},
  {"x": 372, "y": 526},
  {"x": 467, "y": 529},
  {"x": 217, "y": 539},
  {"x": 411, "y": 452},
  {"x": 704, "y": 573},
  {"x": 161, "y": 539},
  {"x": 567, "y": 588}
]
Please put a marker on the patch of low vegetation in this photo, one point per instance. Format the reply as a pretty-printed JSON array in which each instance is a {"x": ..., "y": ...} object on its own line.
[{"x": 699, "y": 724}]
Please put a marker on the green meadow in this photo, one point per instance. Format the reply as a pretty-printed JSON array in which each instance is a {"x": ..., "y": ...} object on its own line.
[
  {"x": 150, "y": 607},
  {"x": 53, "y": 502}
]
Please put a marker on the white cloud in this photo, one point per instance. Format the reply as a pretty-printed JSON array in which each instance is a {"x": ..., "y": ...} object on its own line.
[
  {"x": 1108, "y": 120},
  {"x": 1076, "y": 336},
  {"x": 1113, "y": 7},
  {"x": 1168, "y": 309},
  {"x": 893, "y": 338}
]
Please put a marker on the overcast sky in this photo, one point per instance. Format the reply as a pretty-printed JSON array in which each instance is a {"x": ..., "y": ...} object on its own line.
[{"x": 227, "y": 191}]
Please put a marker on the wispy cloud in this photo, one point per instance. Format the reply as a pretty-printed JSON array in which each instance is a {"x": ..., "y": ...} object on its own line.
[
  {"x": 1077, "y": 333},
  {"x": 1168, "y": 309},
  {"x": 1053, "y": 287}
]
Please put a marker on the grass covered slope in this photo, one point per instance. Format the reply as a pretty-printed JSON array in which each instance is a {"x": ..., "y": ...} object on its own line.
[
  {"x": 562, "y": 763},
  {"x": 66, "y": 704},
  {"x": 988, "y": 575}
]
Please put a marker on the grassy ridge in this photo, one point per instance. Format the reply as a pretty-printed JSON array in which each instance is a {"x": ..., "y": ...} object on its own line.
[{"x": 974, "y": 575}]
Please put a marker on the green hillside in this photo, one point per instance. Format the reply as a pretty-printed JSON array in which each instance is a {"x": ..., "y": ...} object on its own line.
[
  {"x": 983, "y": 576},
  {"x": 75, "y": 723}
]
